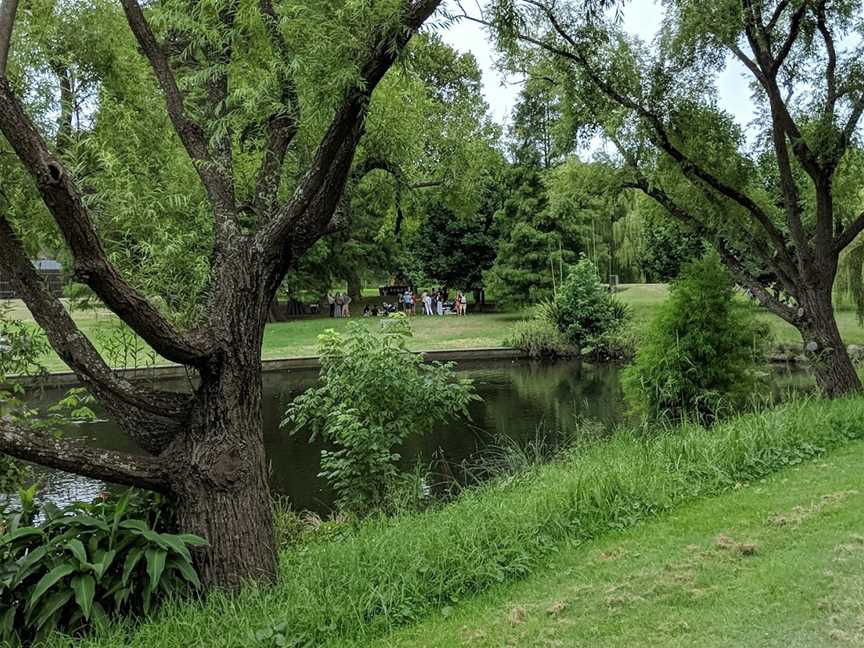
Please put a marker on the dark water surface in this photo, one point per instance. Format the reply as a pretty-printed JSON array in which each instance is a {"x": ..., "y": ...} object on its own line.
[{"x": 520, "y": 400}]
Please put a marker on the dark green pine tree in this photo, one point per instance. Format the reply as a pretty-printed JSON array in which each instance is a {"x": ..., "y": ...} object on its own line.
[{"x": 532, "y": 251}]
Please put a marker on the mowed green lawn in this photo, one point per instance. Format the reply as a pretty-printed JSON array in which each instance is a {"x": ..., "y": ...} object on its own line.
[
  {"x": 775, "y": 563},
  {"x": 299, "y": 337}
]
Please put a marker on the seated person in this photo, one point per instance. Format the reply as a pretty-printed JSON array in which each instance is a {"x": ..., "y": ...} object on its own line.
[{"x": 366, "y": 311}]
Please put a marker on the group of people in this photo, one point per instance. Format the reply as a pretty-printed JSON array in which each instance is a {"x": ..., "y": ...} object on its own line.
[
  {"x": 434, "y": 303},
  {"x": 339, "y": 305}
]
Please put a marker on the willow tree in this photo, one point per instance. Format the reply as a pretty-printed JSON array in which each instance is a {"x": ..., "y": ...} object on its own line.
[
  {"x": 205, "y": 448},
  {"x": 777, "y": 205}
]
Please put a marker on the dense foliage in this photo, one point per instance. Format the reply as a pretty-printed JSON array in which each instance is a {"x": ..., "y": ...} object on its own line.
[
  {"x": 700, "y": 353},
  {"x": 584, "y": 310},
  {"x": 77, "y": 565},
  {"x": 373, "y": 394}
]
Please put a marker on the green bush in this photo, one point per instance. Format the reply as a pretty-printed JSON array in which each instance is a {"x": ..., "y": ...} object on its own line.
[
  {"x": 373, "y": 394},
  {"x": 583, "y": 317},
  {"x": 539, "y": 338},
  {"x": 584, "y": 310},
  {"x": 391, "y": 572},
  {"x": 699, "y": 355},
  {"x": 85, "y": 562}
]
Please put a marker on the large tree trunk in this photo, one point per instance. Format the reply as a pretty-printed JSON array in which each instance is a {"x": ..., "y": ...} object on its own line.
[
  {"x": 219, "y": 476},
  {"x": 823, "y": 346}
]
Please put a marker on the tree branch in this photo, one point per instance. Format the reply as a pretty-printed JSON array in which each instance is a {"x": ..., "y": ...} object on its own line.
[
  {"x": 849, "y": 234},
  {"x": 690, "y": 168},
  {"x": 759, "y": 39},
  {"x": 91, "y": 264},
  {"x": 338, "y": 144},
  {"x": 73, "y": 457},
  {"x": 150, "y": 417},
  {"x": 215, "y": 175},
  {"x": 282, "y": 126},
  {"x": 8, "y": 12},
  {"x": 831, "y": 67}
]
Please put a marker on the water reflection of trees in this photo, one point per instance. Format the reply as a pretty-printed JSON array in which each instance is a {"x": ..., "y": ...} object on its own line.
[{"x": 557, "y": 395}]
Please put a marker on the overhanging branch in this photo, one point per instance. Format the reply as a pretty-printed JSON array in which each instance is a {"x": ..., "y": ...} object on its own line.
[{"x": 106, "y": 465}]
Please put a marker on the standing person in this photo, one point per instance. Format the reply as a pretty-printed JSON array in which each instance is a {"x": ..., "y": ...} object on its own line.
[
  {"x": 439, "y": 306},
  {"x": 427, "y": 303},
  {"x": 463, "y": 303},
  {"x": 408, "y": 297},
  {"x": 332, "y": 303},
  {"x": 346, "y": 300},
  {"x": 338, "y": 300}
]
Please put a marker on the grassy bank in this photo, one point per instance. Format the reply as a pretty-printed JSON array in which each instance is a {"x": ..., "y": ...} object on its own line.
[
  {"x": 778, "y": 563},
  {"x": 391, "y": 573},
  {"x": 299, "y": 337}
]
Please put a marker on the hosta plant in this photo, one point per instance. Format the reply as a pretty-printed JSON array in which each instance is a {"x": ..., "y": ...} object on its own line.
[{"x": 81, "y": 564}]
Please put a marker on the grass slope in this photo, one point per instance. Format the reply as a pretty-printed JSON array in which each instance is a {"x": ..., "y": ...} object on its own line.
[
  {"x": 775, "y": 563},
  {"x": 391, "y": 573}
]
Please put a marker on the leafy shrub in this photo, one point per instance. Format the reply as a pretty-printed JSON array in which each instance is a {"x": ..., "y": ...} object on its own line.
[
  {"x": 85, "y": 562},
  {"x": 700, "y": 351},
  {"x": 540, "y": 339},
  {"x": 373, "y": 394},
  {"x": 584, "y": 310}
]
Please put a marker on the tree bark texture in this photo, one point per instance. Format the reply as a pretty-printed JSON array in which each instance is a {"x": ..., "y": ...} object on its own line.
[{"x": 824, "y": 347}]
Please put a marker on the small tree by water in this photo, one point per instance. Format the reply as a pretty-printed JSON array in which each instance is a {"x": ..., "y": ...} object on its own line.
[
  {"x": 700, "y": 352},
  {"x": 373, "y": 394}
]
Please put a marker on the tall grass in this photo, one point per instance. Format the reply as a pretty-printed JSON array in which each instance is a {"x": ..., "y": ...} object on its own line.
[{"x": 391, "y": 572}]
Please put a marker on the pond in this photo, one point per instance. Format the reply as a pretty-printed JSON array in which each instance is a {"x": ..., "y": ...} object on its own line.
[{"x": 522, "y": 401}]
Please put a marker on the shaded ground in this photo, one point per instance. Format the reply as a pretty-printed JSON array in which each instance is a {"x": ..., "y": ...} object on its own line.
[{"x": 776, "y": 563}]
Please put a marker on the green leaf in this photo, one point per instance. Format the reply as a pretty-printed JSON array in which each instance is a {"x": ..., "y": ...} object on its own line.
[
  {"x": 48, "y": 581},
  {"x": 19, "y": 533},
  {"x": 132, "y": 559},
  {"x": 167, "y": 541},
  {"x": 193, "y": 540},
  {"x": 155, "y": 567},
  {"x": 7, "y": 623},
  {"x": 103, "y": 561},
  {"x": 77, "y": 548},
  {"x": 84, "y": 587},
  {"x": 87, "y": 521},
  {"x": 51, "y": 605},
  {"x": 188, "y": 572},
  {"x": 137, "y": 525}
]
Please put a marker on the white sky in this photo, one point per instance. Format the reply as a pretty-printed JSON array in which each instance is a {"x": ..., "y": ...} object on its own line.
[{"x": 641, "y": 17}]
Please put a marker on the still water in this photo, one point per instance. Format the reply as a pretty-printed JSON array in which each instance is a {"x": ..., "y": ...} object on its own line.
[{"x": 521, "y": 400}]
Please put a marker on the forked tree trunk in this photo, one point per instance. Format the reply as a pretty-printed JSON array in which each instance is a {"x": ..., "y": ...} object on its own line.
[{"x": 823, "y": 345}]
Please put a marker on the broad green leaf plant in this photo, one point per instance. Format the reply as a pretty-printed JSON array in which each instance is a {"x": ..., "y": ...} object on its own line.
[{"x": 81, "y": 564}]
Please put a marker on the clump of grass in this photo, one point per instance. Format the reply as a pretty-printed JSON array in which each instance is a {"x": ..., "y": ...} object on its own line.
[{"x": 390, "y": 572}]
